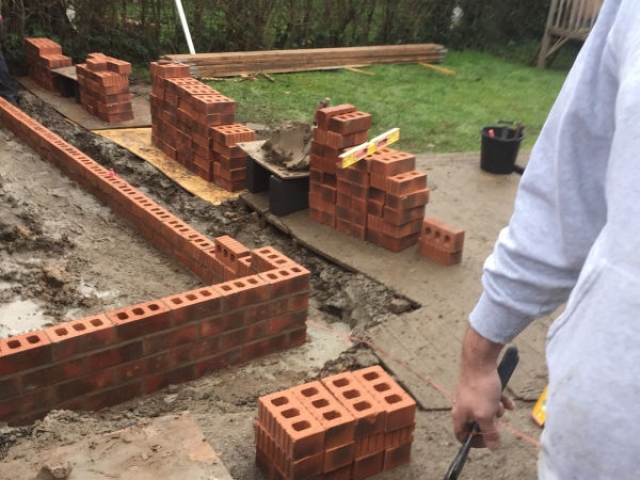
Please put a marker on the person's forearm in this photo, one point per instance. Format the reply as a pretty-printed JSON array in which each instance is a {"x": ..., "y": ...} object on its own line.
[{"x": 478, "y": 353}]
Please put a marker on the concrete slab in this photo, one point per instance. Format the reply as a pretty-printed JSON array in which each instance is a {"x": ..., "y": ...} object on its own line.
[
  {"x": 171, "y": 448},
  {"x": 138, "y": 141},
  {"x": 68, "y": 107},
  {"x": 422, "y": 348}
]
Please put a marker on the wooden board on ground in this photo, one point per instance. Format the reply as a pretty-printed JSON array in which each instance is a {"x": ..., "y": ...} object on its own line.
[
  {"x": 138, "y": 141},
  {"x": 424, "y": 346},
  {"x": 227, "y": 64},
  {"x": 171, "y": 448},
  {"x": 68, "y": 107},
  {"x": 254, "y": 150}
]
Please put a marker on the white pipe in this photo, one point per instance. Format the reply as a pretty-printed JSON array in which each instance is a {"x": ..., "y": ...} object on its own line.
[{"x": 185, "y": 26}]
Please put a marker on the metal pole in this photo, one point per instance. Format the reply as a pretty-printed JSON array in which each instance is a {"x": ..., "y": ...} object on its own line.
[{"x": 185, "y": 26}]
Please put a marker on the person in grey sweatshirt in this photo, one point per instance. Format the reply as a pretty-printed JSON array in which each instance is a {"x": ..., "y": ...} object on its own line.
[{"x": 574, "y": 238}]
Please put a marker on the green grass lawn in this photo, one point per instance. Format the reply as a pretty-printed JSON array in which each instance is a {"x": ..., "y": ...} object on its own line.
[{"x": 434, "y": 111}]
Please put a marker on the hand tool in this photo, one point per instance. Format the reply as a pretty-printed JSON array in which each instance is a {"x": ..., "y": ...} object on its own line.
[{"x": 505, "y": 369}]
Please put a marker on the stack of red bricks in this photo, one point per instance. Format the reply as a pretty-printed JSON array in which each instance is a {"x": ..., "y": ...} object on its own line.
[
  {"x": 441, "y": 241},
  {"x": 328, "y": 143},
  {"x": 104, "y": 87},
  {"x": 348, "y": 426},
  {"x": 42, "y": 56},
  {"x": 194, "y": 124},
  {"x": 380, "y": 198},
  {"x": 397, "y": 199}
]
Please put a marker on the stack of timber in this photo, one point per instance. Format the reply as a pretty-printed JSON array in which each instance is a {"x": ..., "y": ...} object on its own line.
[{"x": 229, "y": 64}]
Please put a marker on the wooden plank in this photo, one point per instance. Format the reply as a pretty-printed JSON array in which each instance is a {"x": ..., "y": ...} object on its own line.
[{"x": 283, "y": 61}]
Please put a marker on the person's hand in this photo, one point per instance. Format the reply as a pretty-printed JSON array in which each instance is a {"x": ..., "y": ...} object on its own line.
[{"x": 479, "y": 395}]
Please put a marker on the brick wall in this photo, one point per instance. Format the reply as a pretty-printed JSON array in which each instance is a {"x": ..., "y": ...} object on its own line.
[
  {"x": 256, "y": 304},
  {"x": 348, "y": 426},
  {"x": 194, "y": 124}
]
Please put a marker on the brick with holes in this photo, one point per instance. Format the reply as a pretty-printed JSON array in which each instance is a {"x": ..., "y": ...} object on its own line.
[
  {"x": 399, "y": 406},
  {"x": 369, "y": 414},
  {"x": 294, "y": 429},
  {"x": 441, "y": 236},
  {"x": 338, "y": 423}
]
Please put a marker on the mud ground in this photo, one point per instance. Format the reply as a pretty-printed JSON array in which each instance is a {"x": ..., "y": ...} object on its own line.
[{"x": 63, "y": 256}]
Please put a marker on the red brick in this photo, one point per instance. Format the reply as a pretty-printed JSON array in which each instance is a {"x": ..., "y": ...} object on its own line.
[
  {"x": 295, "y": 430},
  {"x": 142, "y": 367},
  {"x": 273, "y": 309},
  {"x": 299, "y": 301},
  {"x": 169, "y": 70},
  {"x": 24, "y": 352},
  {"x": 287, "y": 281},
  {"x": 398, "y": 437},
  {"x": 406, "y": 183},
  {"x": 177, "y": 375},
  {"x": 412, "y": 200},
  {"x": 118, "y": 66},
  {"x": 369, "y": 445},
  {"x": 441, "y": 235},
  {"x": 394, "y": 457},
  {"x": 290, "y": 321},
  {"x": 350, "y": 122},
  {"x": 298, "y": 337},
  {"x": 389, "y": 162},
  {"x": 268, "y": 258},
  {"x": 195, "y": 305},
  {"x": 116, "y": 355},
  {"x": 264, "y": 347},
  {"x": 248, "y": 334},
  {"x": 219, "y": 361},
  {"x": 228, "y": 250},
  {"x": 171, "y": 339},
  {"x": 11, "y": 387},
  {"x": 391, "y": 243},
  {"x": 343, "y": 473},
  {"x": 402, "y": 217},
  {"x": 80, "y": 336},
  {"x": 324, "y": 115},
  {"x": 369, "y": 414},
  {"x": 367, "y": 466},
  {"x": 114, "y": 396},
  {"x": 91, "y": 383},
  {"x": 338, "y": 140},
  {"x": 338, "y": 457},
  {"x": 440, "y": 256},
  {"x": 141, "y": 319},
  {"x": 402, "y": 231},
  {"x": 242, "y": 293},
  {"x": 338, "y": 423},
  {"x": 400, "y": 407},
  {"x": 230, "y": 135},
  {"x": 37, "y": 401},
  {"x": 354, "y": 175},
  {"x": 244, "y": 267}
]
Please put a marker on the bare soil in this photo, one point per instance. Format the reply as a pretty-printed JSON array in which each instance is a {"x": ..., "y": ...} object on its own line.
[{"x": 63, "y": 255}]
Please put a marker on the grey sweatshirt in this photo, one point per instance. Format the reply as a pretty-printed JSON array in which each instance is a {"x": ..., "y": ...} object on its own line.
[{"x": 575, "y": 237}]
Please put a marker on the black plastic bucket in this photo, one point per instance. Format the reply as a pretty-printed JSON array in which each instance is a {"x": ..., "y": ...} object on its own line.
[{"x": 498, "y": 153}]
